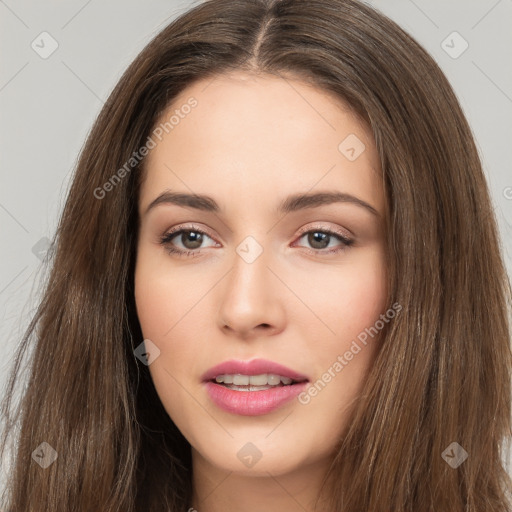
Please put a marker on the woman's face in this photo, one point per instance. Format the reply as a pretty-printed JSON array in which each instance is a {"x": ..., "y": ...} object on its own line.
[{"x": 260, "y": 281}]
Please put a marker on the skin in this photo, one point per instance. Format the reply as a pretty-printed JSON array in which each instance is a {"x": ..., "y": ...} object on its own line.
[{"x": 251, "y": 141}]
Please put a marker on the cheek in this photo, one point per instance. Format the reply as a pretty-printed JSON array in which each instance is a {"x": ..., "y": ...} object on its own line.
[
  {"x": 350, "y": 304},
  {"x": 151, "y": 299},
  {"x": 351, "y": 297},
  {"x": 161, "y": 311},
  {"x": 343, "y": 359},
  {"x": 158, "y": 293},
  {"x": 364, "y": 299},
  {"x": 169, "y": 305},
  {"x": 153, "y": 296}
]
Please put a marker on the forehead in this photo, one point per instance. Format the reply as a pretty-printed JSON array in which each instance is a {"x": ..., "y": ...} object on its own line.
[{"x": 251, "y": 135}]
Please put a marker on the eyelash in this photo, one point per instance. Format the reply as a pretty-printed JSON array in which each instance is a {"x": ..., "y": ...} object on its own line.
[{"x": 167, "y": 237}]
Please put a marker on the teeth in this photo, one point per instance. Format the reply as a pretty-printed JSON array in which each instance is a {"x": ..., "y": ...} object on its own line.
[
  {"x": 241, "y": 380},
  {"x": 255, "y": 380}
]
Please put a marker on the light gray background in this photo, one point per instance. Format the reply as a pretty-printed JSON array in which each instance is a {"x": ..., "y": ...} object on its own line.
[{"x": 49, "y": 105}]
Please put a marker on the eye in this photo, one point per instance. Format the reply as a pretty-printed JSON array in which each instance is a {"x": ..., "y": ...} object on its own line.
[
  {"x": 319, "y": 238},
  {"x": 192, "y": 236}
]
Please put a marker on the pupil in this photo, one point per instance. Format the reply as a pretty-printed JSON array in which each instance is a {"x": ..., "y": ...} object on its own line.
[
  {"x": 196, "y": 239},
  {"x": 318, "y": 237}
]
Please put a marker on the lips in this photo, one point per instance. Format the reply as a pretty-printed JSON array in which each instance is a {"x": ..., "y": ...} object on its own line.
[
  {"x": 253, "y": 367},
  {"x": 252, "y": 403}
]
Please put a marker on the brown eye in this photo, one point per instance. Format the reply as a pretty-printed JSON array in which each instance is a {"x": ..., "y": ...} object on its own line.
[
  {"x": 194, "y": 238},
  {"x": 191, "y": 240},
  {"x": 319, "y": 240}
]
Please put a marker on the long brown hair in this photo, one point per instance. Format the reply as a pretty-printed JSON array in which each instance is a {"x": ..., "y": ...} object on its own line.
[{"x": 443, "y": 370}]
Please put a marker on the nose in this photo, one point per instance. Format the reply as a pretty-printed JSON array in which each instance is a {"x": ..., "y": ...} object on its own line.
[{"x": 251, "y": 299}]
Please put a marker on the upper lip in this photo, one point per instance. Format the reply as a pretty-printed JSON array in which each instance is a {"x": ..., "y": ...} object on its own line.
[{"x": 253, "y": 367}]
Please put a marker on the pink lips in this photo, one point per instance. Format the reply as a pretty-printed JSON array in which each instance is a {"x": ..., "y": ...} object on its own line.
[{"x": 252, "y": 403}]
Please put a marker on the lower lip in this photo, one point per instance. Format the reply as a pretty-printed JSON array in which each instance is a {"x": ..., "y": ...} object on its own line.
[{"x": 252, "y": 403}]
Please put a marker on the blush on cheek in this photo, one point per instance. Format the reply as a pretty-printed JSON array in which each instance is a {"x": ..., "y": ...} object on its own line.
[{"x": 360, "y": 301}]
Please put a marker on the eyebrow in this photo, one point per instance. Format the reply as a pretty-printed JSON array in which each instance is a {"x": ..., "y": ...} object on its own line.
[{"x": 290, "y": 204}]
